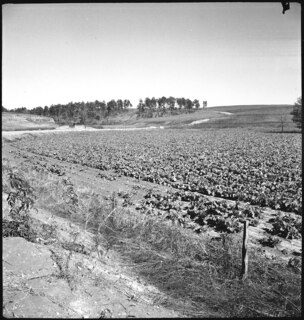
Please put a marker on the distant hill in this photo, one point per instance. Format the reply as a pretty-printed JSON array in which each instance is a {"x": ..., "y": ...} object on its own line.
[
  {"x": 266, "y": 117},
  {"x": 130, "y": 119},
  {"x": 19, "y": 121},
  {"x": 260, "y": 116}
]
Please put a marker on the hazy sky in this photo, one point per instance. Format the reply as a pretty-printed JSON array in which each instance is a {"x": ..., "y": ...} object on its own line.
[{"x": 225, "y": 53}]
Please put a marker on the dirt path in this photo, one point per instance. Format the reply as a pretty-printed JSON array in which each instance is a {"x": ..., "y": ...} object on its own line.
[
  {"x": 198, "y": 121},
  {"x": 227, "y": 113},
  {"x": 10, "y": 136}
]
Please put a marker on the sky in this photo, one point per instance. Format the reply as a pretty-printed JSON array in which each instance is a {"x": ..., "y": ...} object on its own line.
[{"x": 224, "y": 53}]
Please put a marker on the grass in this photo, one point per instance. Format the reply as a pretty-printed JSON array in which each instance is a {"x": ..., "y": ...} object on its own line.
[
  {"x": 130, "y": 119},
  {"x": 256, "y": 109},
  {"x": 200, "y": 276},
  {"x": 18, "y": 128},
  {"x": 20, "y": 122},
  {"x": 204, "y": 273},
  {"x": 259, "y": 117}
]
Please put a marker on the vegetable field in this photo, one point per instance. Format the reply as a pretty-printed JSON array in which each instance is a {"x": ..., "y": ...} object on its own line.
[{"x": 262, "y": 170}]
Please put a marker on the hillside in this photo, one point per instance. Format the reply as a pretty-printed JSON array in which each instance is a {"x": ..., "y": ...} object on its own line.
[
  {"x": 265, "y": 117},
  {"x": 130, "y": 119},
  {"x": 269, "y": 117},
  {"x": 261, "y": 116},
  {"x": 19, "y": 121}
]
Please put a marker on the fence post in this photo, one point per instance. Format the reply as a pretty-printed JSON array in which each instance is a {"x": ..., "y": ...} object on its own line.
[
  {"x": 244, "y": 251},
  {"x": 113, "y": 200}
]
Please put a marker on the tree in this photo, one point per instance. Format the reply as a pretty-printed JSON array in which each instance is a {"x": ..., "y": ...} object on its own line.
[
  {"x": 162, "y": 104},
  {"x": 119, "y": 105},
  {"x": 153, "y": 104},
  {"x": 20, "y": 110},
  {"x": 179, "y": 102},
  {"x": 127, "y": 104},
  {"x": 297, "y": 113},
  {"x": 283, "y": 120},
  {"x": 103, "y": 108},
  {"x": 83, "y": 113},
  {"x": 183, "y": 101},
  {"x": 196, "y": 103},
  {"x": 140, "y": 107},
  {"x": 91, "y": 109},
  {"x": 4, "y": 109},
  {"x": 54, "y": 111},
  {"x": 150, "y": 106},
  {"x": 37, "y": 110},
  {"x": 111, "y": 107},
  {"x": 171, "y": 103},
  {"x": 189, "y": 105},
  {"x": 69, "y": 112},
  {"x": 46, "y": 111}
]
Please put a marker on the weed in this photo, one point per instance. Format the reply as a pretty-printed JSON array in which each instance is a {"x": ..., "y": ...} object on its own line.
[
  {"x": 63, "y": 266},
  {"x": 70, "y": 195},
  {"x": 270, "y": 241},
  {"x": 20, "y": 200}
]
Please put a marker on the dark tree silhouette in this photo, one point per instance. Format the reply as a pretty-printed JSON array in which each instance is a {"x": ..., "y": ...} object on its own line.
[
  {"x": 196, "y": 103},
  {"x": 297, "y": 113}
]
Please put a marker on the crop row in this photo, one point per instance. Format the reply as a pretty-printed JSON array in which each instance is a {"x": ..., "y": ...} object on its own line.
[
  {"x": 197, "y": 212},
  {"x": 262, "y": 169}
]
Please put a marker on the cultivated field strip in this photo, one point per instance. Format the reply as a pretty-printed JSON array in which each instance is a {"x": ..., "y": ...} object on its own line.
[{"x": 262, "y": 169}]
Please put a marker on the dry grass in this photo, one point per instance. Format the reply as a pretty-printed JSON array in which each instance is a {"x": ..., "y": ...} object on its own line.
[
  {"x": 205, "y": 274},
  {"x": 20, "y": 122},
  {"x": 200, "y": 276}
]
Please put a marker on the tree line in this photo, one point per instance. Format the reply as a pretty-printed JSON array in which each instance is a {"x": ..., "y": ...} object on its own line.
[
  {"x": 78, "y": 112},
  {"x": 86, "y": 112},
  {"x": 153, "y": 107}
]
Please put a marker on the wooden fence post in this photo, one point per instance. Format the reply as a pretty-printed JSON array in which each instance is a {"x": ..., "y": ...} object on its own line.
[{"x": 244, "y": 251}]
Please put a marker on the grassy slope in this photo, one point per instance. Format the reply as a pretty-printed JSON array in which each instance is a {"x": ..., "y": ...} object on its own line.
[
  {"x": 262, "y": 116},
  {"x": 130, "y": 118},
  {"x": 18, "y": 121}
]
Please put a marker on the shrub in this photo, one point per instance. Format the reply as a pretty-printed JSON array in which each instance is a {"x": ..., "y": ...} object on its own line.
[{"x": 297, "y": 113}]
